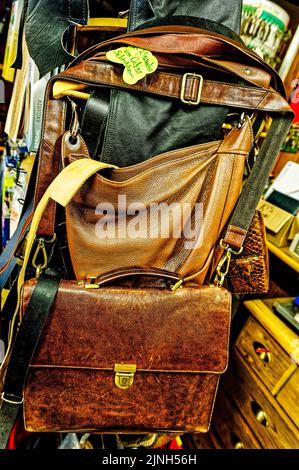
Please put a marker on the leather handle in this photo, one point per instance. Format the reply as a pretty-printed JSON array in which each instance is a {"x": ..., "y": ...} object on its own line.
[{"x": 123, "y": 273}]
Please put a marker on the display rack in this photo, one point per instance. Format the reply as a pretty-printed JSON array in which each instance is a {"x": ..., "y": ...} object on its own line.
[{"x": 284, "y": 255}]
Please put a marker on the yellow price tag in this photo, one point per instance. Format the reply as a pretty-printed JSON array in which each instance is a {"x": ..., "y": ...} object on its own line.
[{"x": 137, "y": 62}]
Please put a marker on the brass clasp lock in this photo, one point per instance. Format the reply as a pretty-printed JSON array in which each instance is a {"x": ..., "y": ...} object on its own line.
[{"x": 124, "y": 375}]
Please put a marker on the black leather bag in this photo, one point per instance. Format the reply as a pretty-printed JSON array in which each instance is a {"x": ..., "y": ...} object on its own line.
[
  {"x": 116, "y": 120},
  {"x": 226, "y": 13},
  {"x": 147, "y": 126}
]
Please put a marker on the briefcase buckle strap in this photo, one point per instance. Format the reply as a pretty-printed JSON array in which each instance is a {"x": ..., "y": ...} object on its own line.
[
  {"x": 12, "y": 399},
  {"x": 197, "y": 87}
]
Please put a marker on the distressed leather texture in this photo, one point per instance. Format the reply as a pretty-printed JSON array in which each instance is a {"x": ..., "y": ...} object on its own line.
[
  {"x": 180, "y": 351},
  {"x": 249, "y": 272},
  {"x": 208, "y": 174},
  {"x": 49, "y": 157}
]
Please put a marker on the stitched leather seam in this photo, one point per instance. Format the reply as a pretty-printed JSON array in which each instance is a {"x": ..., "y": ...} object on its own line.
[
  {"x": 264, "y": 98},
  {"x": 47, "y": 144},
  {"x": 107, "y": 369},
  {"x": 39, "y": 172}
]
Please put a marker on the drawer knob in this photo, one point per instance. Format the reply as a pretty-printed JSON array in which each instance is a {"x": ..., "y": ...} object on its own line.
[
  {"x": 259, "y": 414},
  {"x": 236, "y": 442},
  {"x": 262, "y": 352}
]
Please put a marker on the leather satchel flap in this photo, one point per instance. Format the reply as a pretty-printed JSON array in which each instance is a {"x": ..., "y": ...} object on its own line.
[{"x": 155, "y": 329}]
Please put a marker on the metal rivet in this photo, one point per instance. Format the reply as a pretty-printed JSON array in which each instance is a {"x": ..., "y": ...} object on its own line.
[{"x": 247, "y": 71}]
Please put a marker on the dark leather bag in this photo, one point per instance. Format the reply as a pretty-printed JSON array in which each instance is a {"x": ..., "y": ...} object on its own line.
[
  {"x": 156, "y": 365},
  {"x": 224, "y": 13},
  {"x": 172, "y": 125}
]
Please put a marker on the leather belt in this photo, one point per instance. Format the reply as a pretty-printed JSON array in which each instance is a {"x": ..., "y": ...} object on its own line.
[
  {"x": 8, "y": 258},
  {"x": 170, "y": 85},
  {"x": 94, "y": 119}
]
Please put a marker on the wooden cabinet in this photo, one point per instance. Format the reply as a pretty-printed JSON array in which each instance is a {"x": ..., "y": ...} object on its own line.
[
  {"x": 288, "y": 397},
  {"x": 268, "y": 421},
  {"x": 229, "y": 424},
  {"x": 257, "y": 403},
  {"x": 264, "y": 355}
]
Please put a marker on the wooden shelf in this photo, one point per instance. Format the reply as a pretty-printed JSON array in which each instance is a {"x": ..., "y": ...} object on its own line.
[
  {"x": 284, "y": 255},
  {"x": 262, "y": 311}
]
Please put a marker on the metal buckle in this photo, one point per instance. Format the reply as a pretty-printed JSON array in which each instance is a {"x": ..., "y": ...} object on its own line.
[
  {"x": 13, "y": 401},
  {"x": 226, "y": 247},
  {"x": 183, "y": 89},
  {"x": 177, "y": 285},
  {"x": 124, "y": 375},
  {"x": 90, "y": 283}
]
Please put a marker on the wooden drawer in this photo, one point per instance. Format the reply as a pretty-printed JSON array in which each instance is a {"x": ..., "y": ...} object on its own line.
[
  {"x": 207, "y": 440},
  {"x": 270, "y": 362},
  {"x": 203, "y": 441},
  {"x": 288, "y": 397},
  {"x": 231, "y": 427},
  {"x": 271, "y": 426}
]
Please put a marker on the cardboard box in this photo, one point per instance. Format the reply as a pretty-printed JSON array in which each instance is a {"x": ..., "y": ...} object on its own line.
[{"x": 280, "y": 225}]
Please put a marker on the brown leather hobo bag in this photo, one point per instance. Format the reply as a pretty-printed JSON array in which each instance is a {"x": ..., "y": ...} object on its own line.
[{"x": 206, "y": 178}]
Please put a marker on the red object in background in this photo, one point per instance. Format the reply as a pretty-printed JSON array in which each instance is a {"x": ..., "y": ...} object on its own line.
[
  {"x": 294, "y": 103},
  {"x": 17, "y": 434},
  {"x": 174, "y": 444}
]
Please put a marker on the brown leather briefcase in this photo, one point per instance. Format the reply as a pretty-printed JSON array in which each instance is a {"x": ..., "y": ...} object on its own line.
[{"x": 128, "y": 360}]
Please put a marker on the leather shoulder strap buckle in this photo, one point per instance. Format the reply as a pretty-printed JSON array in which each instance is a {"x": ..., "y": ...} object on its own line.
[
  {"x": 12, "y": 399},
  {"x": 191, "y": 88}
]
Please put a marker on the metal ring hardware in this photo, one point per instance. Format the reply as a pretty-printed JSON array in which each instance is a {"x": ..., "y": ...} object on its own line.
[{"x": 13, "y": 401}]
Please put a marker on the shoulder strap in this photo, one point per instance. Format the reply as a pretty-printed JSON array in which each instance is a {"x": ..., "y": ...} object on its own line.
[
  {"x": 189, "y": 87},
  {"x": 25, "y": 344},
  {"x": 254, "y": 187},
  {"x": 189, "y": 40},
  {"x": 61, "y": 190}
]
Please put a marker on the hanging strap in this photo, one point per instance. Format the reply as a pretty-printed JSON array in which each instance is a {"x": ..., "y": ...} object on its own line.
[
  {"x": 94, "y": 119},
  {"x": 257, "y": 180},
  {"x": 61, "y": 190},
  {"x": 8, "y": 258},
  {"x": 25, "y": 344}
]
